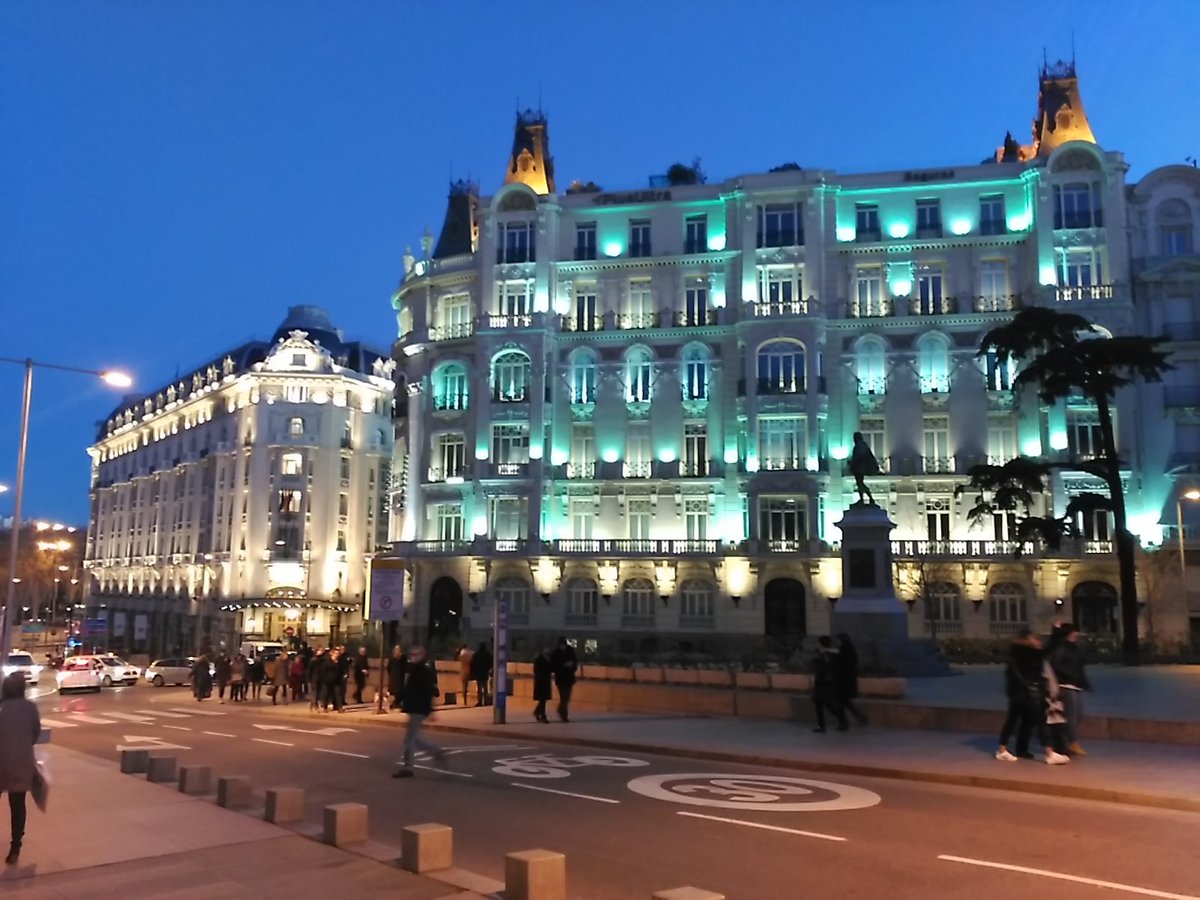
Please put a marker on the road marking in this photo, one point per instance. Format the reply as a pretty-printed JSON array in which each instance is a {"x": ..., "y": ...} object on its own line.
[
  {"x": 754, "y": 793},
  {"x": 545, "y": 790},
  {"x": 129, "y": 717},
  {"x": 763, "y": 826},
  {"x": 323, "y": 732},
  {"x": 444, "y": 771},
  {"x": 163, "y": 713},
  {"x": 342, "y": 753},
  {"x": 218, "y": 734},
  {"x": 56, "y": 723},
  {"x": 194, "y": 712},
  {"x": 142, "y": 742},
  {"x": 453, "y": 750},
  {"x": 91, "y": 720},
  {"x": 178, "y": 727},
  {"x": 276, "y": 743},
  {"x": 1078, "y": 879}
]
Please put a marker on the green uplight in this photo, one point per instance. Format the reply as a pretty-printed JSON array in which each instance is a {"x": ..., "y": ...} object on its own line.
[
  {"x": 716, "y": 242},
  {"x": 667, "y": 456},
  {"x": 846, "y": 233},
  {"x": 481, "y": 452},
  {"x": 535, "y": 451},
  {"x": 1058, "y": 440},
  {"x": 731, "y": 456},
  {"x": 612, "y": 248},
  {"x": 842, "y": 452},
  {"x": 1019, "y": 222},
  {"x": 1047, "y": 275},
  {"x": 960, "y": 226},
  {"x": 558, "y": 457},
  {"x": 812, "y": 464},
  {"x": 479, "y": 526},
  {"x": 898, "y": 229},
  {"x": 610, "y": 456},
  {"x": 1032, "y": 447},
  {"x": 752, "y": 463},
  {"x": 901, "y": 288}
]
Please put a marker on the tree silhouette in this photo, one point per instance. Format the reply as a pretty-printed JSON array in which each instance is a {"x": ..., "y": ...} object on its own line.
[{"x": 1064, "y": 355}]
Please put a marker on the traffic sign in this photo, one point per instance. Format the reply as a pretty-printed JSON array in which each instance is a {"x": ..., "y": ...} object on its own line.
[{"x": 385, "y": 594}]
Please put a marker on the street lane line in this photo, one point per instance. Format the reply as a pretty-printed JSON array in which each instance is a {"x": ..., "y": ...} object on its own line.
[
  {"x": 57, "y": 723},
  {"x": 453, "y": 750},
  {"x": 276, "y": 743},
  {"x": 218, "y": 734},
  {"x": 444, "y": 771},
  {"x": 191, "y": 711},
  {"x": 129, "y": 717},
  {"x": 1078, "y": 879},
  {"x": 763, "y": 826},
  {"x": 545, "y": 790},
  {"x": 342, "y": 753},
  {"x": 178, "y": 727},
  {"x": 92, "y": 720},
  {"x": 163, "y": 713}
]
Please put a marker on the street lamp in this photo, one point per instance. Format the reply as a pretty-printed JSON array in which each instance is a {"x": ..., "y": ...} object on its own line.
[{"x": 109, "y": 377}]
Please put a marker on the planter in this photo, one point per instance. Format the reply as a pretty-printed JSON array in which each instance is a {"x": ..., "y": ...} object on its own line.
[
  {"x": 620, "y": 673},
  {"x": 682, "y": 676},
  {"x": 756, "y": 681},
  {"x": 521, "y": 668},
  {"x": 647, "y": 675},
  {"x": 790, "y": 681},
  {"x": 716, "y": 677},
  {"x": 892, "y": 688}
]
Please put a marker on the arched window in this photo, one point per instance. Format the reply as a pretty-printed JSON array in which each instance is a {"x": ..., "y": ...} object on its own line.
[
  {"x": 999, "y": 374},
  {"x": 637, "y": 603},
  {"x": 581, "y": 602},
  {"x": 1174, "y": 221},
  {"x": 450, "y": 386},
  {"x": 694, "y": 372},
  {"x": 639, "y": 374},
  {"x": 945, "y": 610},
  {"x": 871, "y": 366},
  {"x": 697, "y": 604},
  {"x": 295, "y": 426},
  {"x": 510, "y": 377},
  {"x": 933, "y": 364},
  {"x": 780, "y": 365},
  {"x": 583, "y": 372},
  {"x": 1007, "y": 608},
  {"x": 515, "y": 592}
]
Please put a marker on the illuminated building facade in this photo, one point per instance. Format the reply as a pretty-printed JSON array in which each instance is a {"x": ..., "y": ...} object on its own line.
[
  {"x": 627, "y": 413},
  {"x": 244, "y": 500}
]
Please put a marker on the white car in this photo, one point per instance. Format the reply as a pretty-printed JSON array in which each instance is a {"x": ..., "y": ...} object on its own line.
[
  {"x": 80, "y": 673},
  {"x": 114, "y": 670},
  {"x": 20, "y": 661},
  {"x": 177, "y": 670}
]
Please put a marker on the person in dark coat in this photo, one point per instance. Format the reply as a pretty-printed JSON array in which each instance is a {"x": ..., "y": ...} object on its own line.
[
  {"x": 331, "y": 681},
  {"x": 481, "y": 674},
  {"x": 314, "y": 679},
  {"x": 20, "y": 728},
  {"x": 824, "y": 685},
  {"x": 564, "y": 663},
  {"x": 1027, "y": 692},
  {"x": 543, "y": 674},
  {"x": 420, "y": 689},
  {"x": 256, "y": 673},
  {"x": 397, "y": 670},
  {"x": 361, "y": 668},
  {"x": 845, "y": 677},
  {"x": 1066, "y": 659},
  {"x": 224, "y": 671},
  {"x": 202, "y": 678}
]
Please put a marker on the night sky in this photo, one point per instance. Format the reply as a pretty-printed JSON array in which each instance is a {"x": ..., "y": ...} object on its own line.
[{"x": 175, "y": 175}]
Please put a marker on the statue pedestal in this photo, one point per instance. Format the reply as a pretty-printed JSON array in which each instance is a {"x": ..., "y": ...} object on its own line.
[{"x": 869, "y": 610}]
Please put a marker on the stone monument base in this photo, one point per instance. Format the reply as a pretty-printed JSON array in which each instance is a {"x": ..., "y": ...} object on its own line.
[{"x": 881, "y": 639}]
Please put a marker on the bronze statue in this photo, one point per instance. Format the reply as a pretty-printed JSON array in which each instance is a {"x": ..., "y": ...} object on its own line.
[{"x": 862, "y": 464}]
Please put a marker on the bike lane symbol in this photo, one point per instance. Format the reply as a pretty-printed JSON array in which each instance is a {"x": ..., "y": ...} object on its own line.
[{"x": 753, "y": 793}]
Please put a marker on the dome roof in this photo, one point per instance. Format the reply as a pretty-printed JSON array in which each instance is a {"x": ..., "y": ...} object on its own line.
[{"x": 314, "y": 321}]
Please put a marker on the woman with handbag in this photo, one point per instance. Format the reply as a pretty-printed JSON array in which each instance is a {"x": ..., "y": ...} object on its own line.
[{"x": 20, "y": 728}]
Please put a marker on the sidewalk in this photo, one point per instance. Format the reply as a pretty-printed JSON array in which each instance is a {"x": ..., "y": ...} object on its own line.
[
  {"x": 106, "y": 835},
  {"x": 1161, "y": 775}
]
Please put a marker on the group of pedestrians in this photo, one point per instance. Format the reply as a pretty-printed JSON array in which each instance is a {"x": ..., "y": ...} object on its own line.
[
  {"x": 835, "y": 682},
  {"x": 475, "y": 666},
  {"x": 558, "y": 666},
  {"x": 1044, "y": 686}
]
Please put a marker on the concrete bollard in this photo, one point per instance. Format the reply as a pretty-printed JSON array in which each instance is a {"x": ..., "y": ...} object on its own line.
[
  {"x": 284, "y": 804},
  {"x": 535, "y": 875},
  {"x": 135, "y": 762},
  {"x": 427, "y": 848},
  {"x": 686, "y": 893},
  {"x": 345, "y": 823},
  {"x": 195, "y": 779},
  {"x": 161, "y": 769},
  {"x": 233, "y": 791}
]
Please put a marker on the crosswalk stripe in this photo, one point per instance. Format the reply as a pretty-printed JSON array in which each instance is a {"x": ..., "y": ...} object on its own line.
[
  {"x": 91, "y": 720},
  {"x": 163, "y": 713},
  {"x": 129, "y": 717},
  {"x": 57, "y": 723},
  {"x": 192, "y": 711}
]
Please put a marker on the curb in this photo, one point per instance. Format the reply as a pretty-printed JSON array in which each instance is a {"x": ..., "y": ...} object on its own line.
[{"x": 1068, "y": 791}]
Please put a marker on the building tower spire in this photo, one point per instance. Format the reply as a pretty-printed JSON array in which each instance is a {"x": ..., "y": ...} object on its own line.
[{"x": 530, "y": 162}]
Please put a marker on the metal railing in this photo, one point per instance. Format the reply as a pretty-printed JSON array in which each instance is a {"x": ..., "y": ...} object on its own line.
[
  {"x": 936, "y": 306},
  {"x": 630, "y": 620},
  {"x": 583, "y": 323},
  {"x": 937, "y": 465},
  {"x": 452, "y": 332},
  {"x": 636, "y": 546},
  {"x": 581, "y": 470},
  {"x": 998, "y": 303},
  {"x": 505, "y": 320},
  {"x": 580, "y": 620},
  {"x": 779, "y": 308},
  {"x": 1075, "y": 293},
  {"x": 697, "y": 622},
  {"x": 879, "y": 309},
  {"x": 631, "y": 321},
  {"x": 695, "y": 318}
]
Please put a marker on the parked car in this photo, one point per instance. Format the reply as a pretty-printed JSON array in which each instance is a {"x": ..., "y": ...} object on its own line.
[
  {"x": 115, "y": 670},
  {"x": 20, "y": 661},
  {"x": 80, "y": 673},
  {"x": 176, "y": 670}
]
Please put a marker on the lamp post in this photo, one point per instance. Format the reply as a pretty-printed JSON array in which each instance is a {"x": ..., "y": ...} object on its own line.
[{"x": 116, "y": 379}]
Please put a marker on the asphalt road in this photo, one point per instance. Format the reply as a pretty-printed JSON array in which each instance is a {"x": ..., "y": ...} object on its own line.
[{"x": 631, "y": 825}]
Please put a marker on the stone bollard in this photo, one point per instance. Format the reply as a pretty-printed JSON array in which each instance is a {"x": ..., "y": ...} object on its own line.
[
  {"x": 686, "y": 893},
  {"x": 195, "y": 779},
  {"x": 135, "y": 762},
  {"x": 535, "y": 875},
  {"x": 427, "y": 848},
  {"x": 284, "y": 804},
  {"x": 233, "y": 791},
  {"x": 345, "y": 823},
  {"x": 161, "y": 769}
]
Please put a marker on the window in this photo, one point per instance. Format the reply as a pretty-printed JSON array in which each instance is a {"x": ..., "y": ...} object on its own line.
[
  {"x": 991, "y": 214},
  {"x": 993, "y": 285},
  {"x": 1006, "y": 607},
  {"x": 515, "y": 242},
  {"x": 1085, "y": 439},
  {"x": 782, "y": 521},
  {"x": 695, "y": 373},
  {"x": 870, "y": 361},
  {"x": 781, "y": 290},
  {"x": 454, "y": 317},
  {"x": 637, "y": 602},
  {"x": 585, "y": 240},
  {"x": 695, "y": 305},
  {"x": 1077, "y": 205},
  {"x": 585, "y": 318},
  {"x": 508, "y": 518},
  {"x": 344, "y": 471},
  {"x": 641, "y": 312},
  {"x": 639, "y": 237},
  {"x": 343, "y": 504},
  {"x": 581, "y": 602},
  {"x": 639, "y": 374},
  {"x": 450, "y": 457},
  {"x": 637, "y": 451},
  {"x": 695, "y": 518},
  {"x": 515, "y": 593},
  {"x": 510, "y": 377},
  {"x": 936, "y": 441},
  {"x": 931, "y": 301},
  {"x": 583, "y": 451},
  {"x": 873, "y": 431},
  {"x": 582, "y": 511},
  {"x": 1095, "y": 525},
  {"x": 695, "y": 604},
  {"x": 514, "y": 299},
  {"x": 291, "y": 464},
  {"x": 1002, "y": 440},
  {"x": 937, "y": 518},
  {"x": 450, "y": 386},
  {"x": 1000, "y": 375},
  {"x": 929, "y": 218},
  {"x": 866, "y": 221},
  {"x": 869, "y": 292},
  {"x": 341, "y": 540},
  {"x": 296, "y": 426},
  {"x": 781, "y": 442},
  {"x": 781, "y": 367},
  {"x": 295, "y": 393},
  {"x": 1004, "y": 525},
  {"x": 583, "y": 373},
  {"x": 695, "y": 234},
  {"x": 1079, "y": 267},
  {"x": 299, "y": 359},
  {"x": 449, "y": 521},
  {"x": 933, "y": 364},
  {"x": 640, "y": 512},
  {"x": 695, "y": 449},
  {"x": 944, "y": 606},
  {"x": 780, "y": 225},
  {"x": 510, "y": 443},
  {"x": 1174, "y": 219}
]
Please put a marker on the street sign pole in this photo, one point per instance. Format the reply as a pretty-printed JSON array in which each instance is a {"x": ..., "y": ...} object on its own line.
[{"x": 500, "y": 661}]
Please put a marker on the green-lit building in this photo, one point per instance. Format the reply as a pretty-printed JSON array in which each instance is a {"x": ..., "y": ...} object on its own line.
[{"x": 627, "y": 411}]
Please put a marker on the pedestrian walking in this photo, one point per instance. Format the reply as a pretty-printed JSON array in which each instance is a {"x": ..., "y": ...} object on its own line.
[
  {"x": 1026, "y": 689},
  {"x": 543, "y": 674},
  {"x": 1066, "y": 659},
  {"x": 280, "y": 679},
  {"x": 824, "y": 685},
  {"x": 344, "y": 664},
  {"x": 237, "y": 679},
  {"x": 396, "y": 672},
  {"x": 296, "y": 678},
  {"x": 202, "y": 682},
  {"x": 563, "y": 663},
  {"x": 223, "y": 669},
  {"x": 362, "y": 669},
  {"x": 845, "y": 677},
  {"x": 256, "y": 672},
  {"x": 481, "y": 673},
  {"x": 420, "y": 689},
  {"x": 331, "y": 682},
  {"x": 20, "y": 728},
  {"x": 464, "y": 657},
  {"x": 314, "y": 680}
]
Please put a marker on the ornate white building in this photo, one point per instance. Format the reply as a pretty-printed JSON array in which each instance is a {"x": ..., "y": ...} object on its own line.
[
  {"x": 627, "y": 411},
  {"x": 244, "y": 500}
]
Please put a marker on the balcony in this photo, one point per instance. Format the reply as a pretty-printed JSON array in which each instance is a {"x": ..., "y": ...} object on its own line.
[
  {"x": 635, "y": 547},
  {"x": 950, "y": 626},
  {"x": 639, "y": 249},
  {"x": 991, "y": 227},
  {"x": 868, "y": 235},
  {"x": 509, "y": 255},
  {"x": 509, "y": 320},
  {"x": 580, "y": 620},
  {"x": 630, "y": 620},
  {"x": 450, "y": 474},
  {"x": 934, "y": 384},
  {"x": 451, "y": 402},
  {"x": 585, "y": 251},
  {"x": 782, "y": 238},
  {"x": 997, "y": 303},
  {"x": 929, "y": 232},
  {"x": 639, "y": 469},
  {"x": 937, "y": 465},
  {"x": 873, "y": 310},
  {"x": 1181, "y": 396},
  {"x": 964, "y": 549},
  {"x": 695, "y": 246},
  {"x": 509, "y": 470},
  {"x": 696, "y": 318},
  {"x": 780, "y": 464},
  {"x": 1084, "y": 219},
  {"x": 766, "y": 309},
  {"x": 768, "y": 387},
  {"x": 580, "y": 470},
  {"x": 513, "y": 395},
  {"x": 582, "y": 323},
  {"x": 438, "y": 548},
  {"x": 697, "y": 623},
  {"x": 1083, "y": 292},
  {"x": 633, "y": 321},
  {"x": 935, "y": 306},
  {"x": 453, "y": 332},
  {"x": 695, "y": 468}
]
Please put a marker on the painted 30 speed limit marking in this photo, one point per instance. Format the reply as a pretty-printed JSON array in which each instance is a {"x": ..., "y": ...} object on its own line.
[{"x": 753, "y": 793}]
